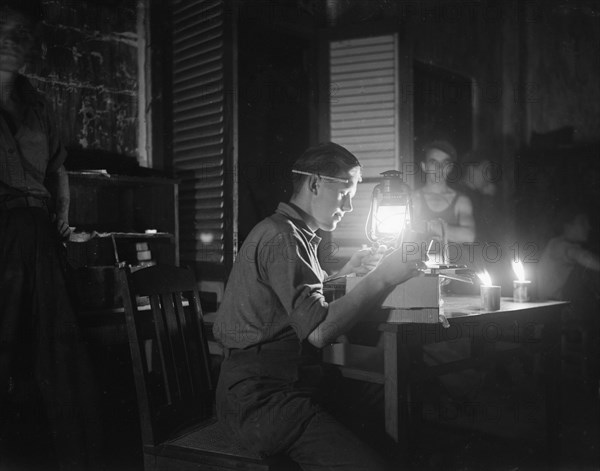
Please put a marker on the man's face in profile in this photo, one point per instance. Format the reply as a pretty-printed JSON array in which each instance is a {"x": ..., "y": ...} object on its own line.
[
  {"x": 16, "y": 39},
  {"x": 334, "y": 199}
]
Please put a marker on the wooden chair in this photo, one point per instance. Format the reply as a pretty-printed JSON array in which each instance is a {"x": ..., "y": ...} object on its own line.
[{"x": 171, "y": 369}]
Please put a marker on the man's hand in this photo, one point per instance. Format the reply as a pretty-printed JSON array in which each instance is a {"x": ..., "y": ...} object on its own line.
[
  {"x": 358, "y": 262},
  {"x": 62, "y": 227},
  {"x": 363, "y": 261},
  {"x": 400, "y": 265}
]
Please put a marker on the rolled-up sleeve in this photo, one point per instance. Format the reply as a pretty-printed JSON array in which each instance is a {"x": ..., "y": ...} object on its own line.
[{"x": 289, "y": 265}]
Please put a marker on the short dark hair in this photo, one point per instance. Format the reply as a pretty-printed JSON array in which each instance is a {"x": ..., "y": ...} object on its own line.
[
  {"x": 327, "y": 159},
  {"x": 442, "y": 145}
]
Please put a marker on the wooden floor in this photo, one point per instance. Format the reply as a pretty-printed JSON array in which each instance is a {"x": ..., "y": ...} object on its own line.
[
  {"x": 499, "y": 428},
  {"x": 495, "y": 433}
]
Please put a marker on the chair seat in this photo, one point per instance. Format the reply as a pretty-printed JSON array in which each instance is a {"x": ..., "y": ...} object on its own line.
[
  {"x": 212, "y": 445},
  {"x": 212, "y": 437}
]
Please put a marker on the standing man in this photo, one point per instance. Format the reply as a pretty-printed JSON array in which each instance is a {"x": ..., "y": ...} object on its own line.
[
  {"x": 447, "y": 213},
  {"x": 274, "y": 319},
  {"x": 448, "y": 216},
  {"x": 42, "y": 360}
]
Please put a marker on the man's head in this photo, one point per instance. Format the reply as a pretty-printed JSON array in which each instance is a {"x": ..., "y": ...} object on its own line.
[
  {"x": 439, "y": 158},
  {"x": 18, "y": 24},
  {"x": 325, "y": 179}
]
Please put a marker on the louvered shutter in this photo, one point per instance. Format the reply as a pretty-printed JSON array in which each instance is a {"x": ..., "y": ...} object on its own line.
[
  {"x": 364, "y": 117},
  {"x": 202, "y": 137}
]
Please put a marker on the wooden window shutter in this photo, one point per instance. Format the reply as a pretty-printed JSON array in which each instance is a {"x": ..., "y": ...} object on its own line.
[
  {"x": 204, "y": 132},
  {"x": 366, "y": 117}
]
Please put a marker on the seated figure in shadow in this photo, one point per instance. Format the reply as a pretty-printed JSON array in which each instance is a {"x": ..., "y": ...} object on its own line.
[{"x": 570, "y": 270}]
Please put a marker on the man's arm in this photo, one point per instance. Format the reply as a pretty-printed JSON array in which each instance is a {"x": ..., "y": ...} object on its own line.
[
  {"x": 361, "y": 262},
  {"x": 58, "y": 185},
  {"x": 585, "y": 258},
  {"x": 344, "y": 312}
]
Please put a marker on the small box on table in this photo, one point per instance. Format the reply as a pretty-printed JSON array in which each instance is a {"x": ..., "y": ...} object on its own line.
[{"x": 419, "y": 292}]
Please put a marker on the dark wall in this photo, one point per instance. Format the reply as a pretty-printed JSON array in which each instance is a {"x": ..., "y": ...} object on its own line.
[
  {"x": 87, "y": 68},
  {"x": 274, "y": 98},
  {"x": 442, "y": 108},
  {"x": 463, "y": 38},
  {"x": 563, "y": 68}
]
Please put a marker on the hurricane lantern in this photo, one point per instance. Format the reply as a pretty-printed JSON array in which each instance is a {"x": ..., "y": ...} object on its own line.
[{"x": 390, "y": 213}]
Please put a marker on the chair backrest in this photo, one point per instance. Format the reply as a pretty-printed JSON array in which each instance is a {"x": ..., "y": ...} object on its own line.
[{"x": 169, "y": 350}]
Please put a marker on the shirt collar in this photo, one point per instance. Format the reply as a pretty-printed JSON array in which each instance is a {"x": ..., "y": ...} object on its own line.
[{"x": 291, "y": 212}]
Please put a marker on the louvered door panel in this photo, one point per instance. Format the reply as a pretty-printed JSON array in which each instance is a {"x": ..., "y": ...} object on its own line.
[
  {"x": 364, "y": 117},
  {"x": 200, "y": 111}
]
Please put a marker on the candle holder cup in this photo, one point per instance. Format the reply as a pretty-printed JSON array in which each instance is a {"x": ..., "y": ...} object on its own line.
[
  {"x": 490, "y": 298},
  {"x": 521, "y": 291}
]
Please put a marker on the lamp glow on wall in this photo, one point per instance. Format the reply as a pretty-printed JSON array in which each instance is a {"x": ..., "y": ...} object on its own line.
[{"x": 390, "y": 213}]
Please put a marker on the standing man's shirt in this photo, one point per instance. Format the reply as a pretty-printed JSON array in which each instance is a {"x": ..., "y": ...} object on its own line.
[
  {"x": 275, "y": 289},
  {"x": 32, "y": 151}
]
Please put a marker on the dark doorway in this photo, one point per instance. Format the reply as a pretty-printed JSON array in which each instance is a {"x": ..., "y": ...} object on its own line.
[{"x": 443, "y": 108}]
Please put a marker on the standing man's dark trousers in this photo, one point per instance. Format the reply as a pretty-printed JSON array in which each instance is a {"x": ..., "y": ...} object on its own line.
[{"x": 41, "y": 353}]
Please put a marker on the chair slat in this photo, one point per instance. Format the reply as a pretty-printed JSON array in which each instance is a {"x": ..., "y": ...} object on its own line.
[
  {"x": 163, "y": 346},
  {"x": 203, "y": 344},
  {"x": 189, "y": 343},
  {"x": 180, "y": 384},
  {"x": 175, "y": 394}
]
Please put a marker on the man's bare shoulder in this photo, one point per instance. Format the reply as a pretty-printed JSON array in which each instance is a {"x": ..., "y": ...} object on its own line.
[{"x": 464, "y": 203}]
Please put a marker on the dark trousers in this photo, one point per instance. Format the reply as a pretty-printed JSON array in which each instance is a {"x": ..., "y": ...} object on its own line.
[
  {"x": 269, "y": 398},
  {"x": 42, "y": 357}
]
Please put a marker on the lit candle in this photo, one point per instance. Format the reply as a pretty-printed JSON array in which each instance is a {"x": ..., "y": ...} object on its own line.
[
  {"x": 521, "y": 285},
  {"x": 490, "y": 294}
]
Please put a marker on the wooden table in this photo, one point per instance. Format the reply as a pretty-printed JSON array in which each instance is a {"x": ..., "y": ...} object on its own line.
[
  {"x": 515, "y": 324},
  {"x": 519, "y": 328}
]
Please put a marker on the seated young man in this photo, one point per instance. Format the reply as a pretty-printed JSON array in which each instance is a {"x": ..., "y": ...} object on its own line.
[
  {"x": 568, "y": 270},
  {"x": 565, "y": 254},
  {"x": 274, "y": 318}
]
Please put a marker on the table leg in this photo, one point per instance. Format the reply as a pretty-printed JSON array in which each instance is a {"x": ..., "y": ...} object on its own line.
[
  {"x": 401, "y": 410},
  {"x": 393, "y": 393}
]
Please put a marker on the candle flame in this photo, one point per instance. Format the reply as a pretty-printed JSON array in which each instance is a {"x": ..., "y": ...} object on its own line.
[
  {"x": 485, "y": 278},
  {"x": 519, "y": 270}
]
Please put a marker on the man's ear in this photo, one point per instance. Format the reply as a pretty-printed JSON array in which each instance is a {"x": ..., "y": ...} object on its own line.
[{"x": 313, "y": 184}]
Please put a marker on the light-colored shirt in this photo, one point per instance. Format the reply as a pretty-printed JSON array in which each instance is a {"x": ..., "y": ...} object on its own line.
[
  {"x": 275, "y": 289},
  {"x": 33, "y": 151}
]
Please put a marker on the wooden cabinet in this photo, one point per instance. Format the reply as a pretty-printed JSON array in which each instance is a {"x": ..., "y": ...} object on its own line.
[
  {"x": 118, "y": 219},
  {"x": 128, "y": 207}
]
